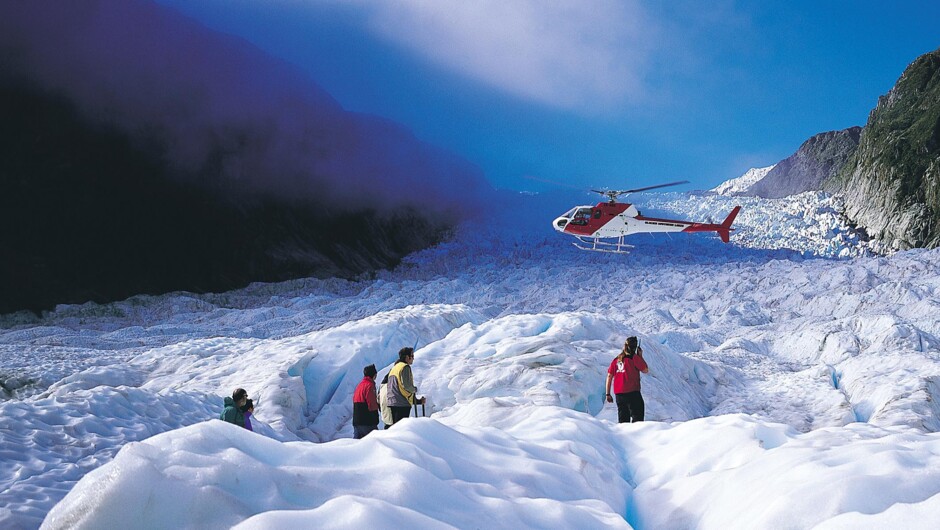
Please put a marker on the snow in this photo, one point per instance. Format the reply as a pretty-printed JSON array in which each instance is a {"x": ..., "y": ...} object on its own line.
[
  {"x": 740, "y": 185},
  {"x": 794, "y": 381}
]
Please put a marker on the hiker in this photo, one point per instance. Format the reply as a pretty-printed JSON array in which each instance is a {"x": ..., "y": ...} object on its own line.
[
  {"x": 624, "y": 372},
  {"x": 365, "y": 406},
  {"x": 401, "y": 386},
  {"x": 232, "y": 412},
  {"x": 248, "y": 410},
  {"x": 383, "y": 403}
]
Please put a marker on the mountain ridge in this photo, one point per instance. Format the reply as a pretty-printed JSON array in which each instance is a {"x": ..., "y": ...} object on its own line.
[
  {"x": 892, "y": 182},
  {"x": 887, "y": 172},
  {"x": 817, "y": 160}
]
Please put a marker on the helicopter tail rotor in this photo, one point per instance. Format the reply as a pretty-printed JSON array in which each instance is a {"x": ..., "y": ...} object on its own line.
[{"x": 724, "y": 231}]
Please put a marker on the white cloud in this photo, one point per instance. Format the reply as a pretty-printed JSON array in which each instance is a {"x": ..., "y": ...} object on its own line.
[{"x": 586, "y": 56}]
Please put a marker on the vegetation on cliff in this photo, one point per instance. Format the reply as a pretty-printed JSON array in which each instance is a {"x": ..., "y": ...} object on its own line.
[{"x": 892, "y": 182}]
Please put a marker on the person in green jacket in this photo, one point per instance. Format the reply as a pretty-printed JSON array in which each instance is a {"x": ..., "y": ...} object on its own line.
[{"x": 232, "y": 412}]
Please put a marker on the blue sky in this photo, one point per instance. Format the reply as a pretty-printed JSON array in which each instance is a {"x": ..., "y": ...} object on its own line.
[{"x": 597, "y": 93}]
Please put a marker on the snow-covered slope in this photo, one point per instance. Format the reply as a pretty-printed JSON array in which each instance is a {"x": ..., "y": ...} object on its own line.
[
  {"x": 740, "y": 184},
  {"x": 780, "y": 379}
]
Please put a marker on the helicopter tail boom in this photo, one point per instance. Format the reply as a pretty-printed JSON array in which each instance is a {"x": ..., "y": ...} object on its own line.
[{"x": 723, "y": 230}]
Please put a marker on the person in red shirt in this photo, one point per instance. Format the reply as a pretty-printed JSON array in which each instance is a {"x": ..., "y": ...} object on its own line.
[
  {"x": 365, "y": 405},
  {"x": 624, "y": 373}
]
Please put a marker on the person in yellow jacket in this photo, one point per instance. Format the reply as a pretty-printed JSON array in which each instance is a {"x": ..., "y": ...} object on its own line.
[{"x": 401, "y": 386}]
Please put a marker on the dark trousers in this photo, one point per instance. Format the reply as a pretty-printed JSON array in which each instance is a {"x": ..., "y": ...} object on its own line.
[
  {"x": 360, "y": 431},
  {"x": 400, "y": 413},
  {"x": 630, "y": 407}
]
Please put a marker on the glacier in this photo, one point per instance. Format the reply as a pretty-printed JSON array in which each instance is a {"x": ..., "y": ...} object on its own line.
[{"x": 794, "y": 381}]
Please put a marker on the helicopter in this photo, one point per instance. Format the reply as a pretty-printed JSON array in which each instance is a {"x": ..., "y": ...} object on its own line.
[{"x": 603, "y": 227}]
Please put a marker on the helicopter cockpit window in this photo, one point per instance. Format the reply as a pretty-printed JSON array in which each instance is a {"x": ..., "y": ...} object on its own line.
[
  {"x": 597, "y": 213},
  {"x": 581, "y": 216}
]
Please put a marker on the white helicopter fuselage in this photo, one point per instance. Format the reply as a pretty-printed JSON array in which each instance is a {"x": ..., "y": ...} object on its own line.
[{"x": 608, "y": 220}]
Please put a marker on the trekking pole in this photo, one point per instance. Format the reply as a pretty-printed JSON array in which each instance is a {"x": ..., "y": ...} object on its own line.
[{"x": 416, "y": 405}]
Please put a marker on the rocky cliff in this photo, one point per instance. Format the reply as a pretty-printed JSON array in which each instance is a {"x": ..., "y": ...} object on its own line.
[
  {"x": 817, "y": 160},
  {"x": 891, "y": 183}
]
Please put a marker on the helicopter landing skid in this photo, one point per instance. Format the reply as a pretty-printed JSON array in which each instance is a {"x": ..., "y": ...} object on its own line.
[{"x": 618, "y": 247}]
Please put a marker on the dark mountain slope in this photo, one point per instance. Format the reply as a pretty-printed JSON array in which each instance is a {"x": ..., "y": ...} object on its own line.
[
  {"x": 143, "y": 153},
  {"x": 87, "y": 215},
  {"x": 817, "y": 160}
]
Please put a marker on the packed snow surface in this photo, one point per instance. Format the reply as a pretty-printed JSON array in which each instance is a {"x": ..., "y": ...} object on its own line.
[{"x": 794, "y": 382}]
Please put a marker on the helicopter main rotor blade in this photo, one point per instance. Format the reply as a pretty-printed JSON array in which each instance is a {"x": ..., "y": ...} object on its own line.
[{"x": 655, "y": 187}]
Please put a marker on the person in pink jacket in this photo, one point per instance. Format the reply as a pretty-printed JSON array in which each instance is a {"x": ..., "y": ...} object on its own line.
[{"x": 624, "y": 373}]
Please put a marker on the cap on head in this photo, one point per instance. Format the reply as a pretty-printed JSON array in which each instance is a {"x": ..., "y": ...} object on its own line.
[{"x": 370, "y": 371}]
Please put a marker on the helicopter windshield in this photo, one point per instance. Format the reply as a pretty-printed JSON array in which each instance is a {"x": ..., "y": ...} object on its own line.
[{"x": 580, "y": 215}]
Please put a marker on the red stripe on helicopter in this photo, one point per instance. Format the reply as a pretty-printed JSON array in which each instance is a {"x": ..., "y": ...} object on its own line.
[{"x": 599, "y": 216}]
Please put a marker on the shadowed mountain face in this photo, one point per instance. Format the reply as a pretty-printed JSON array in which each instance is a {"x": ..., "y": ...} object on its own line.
[
  {"x": 816, "y": 161},
  {"x": 142, "y": 153},
  {"x": 86, "y": 215}
]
